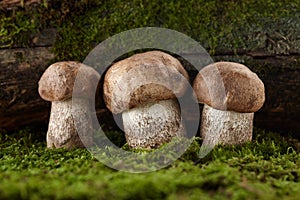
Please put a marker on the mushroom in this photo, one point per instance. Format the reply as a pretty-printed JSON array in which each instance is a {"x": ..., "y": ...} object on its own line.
[
  {"x": 144, "y": 88},
  {"x": 56, "y": 85},
  {"x": 231, "y": 93}
]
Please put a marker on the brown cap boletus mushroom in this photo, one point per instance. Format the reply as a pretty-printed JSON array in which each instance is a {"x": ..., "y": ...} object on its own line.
[
  {"x": 231, "y": 93},
  {"x": 144, "y": 88},
  {"x": 56, "y": 85}
]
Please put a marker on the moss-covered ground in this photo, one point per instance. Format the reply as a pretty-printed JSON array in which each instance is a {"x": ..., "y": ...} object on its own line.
[{"x": 266, "y": 168}]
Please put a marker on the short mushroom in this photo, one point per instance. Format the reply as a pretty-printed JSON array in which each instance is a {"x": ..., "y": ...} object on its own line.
[
  {"x": 231, "y": 93},
  {"x": 144, "y": 88},
  {"x": 56, "y": 85}
]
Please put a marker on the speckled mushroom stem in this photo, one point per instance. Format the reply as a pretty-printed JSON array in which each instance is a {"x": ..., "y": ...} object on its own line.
[
  {"x": 225, "y": 127},
  {"x": 62, "y": 130},
  {"x": 153, "y": 124}
]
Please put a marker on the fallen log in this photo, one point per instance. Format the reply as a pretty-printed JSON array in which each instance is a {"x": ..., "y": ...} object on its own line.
[
  {"x": 13, "y": 4},
  {"x": 20, "y": 103},
  {"x": 21, "y": 68}
]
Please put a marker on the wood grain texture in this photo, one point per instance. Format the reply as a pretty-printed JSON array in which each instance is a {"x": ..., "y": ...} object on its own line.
[
  {"x": 13, "y": 4},
  {"x": 21, "y": 68}
]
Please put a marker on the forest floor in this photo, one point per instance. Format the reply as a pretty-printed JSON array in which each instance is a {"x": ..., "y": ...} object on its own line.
[{"x": 266, "y": 168}]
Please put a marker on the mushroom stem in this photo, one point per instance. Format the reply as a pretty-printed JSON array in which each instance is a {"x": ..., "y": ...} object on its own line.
[
  {"x": 225, "y": 127},
  {"x": 153, "y": 124},
  {"x": 62, "y": 131}
]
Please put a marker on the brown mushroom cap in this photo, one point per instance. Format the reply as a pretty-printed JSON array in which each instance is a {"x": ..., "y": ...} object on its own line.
[
  {"x": 143, "y": 78},
  {"x": 229, "y": 86},
  {"x": 57, "y": 82}
]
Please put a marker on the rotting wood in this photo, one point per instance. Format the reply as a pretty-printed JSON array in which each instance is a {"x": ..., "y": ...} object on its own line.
[
  {"x": 13, "y": 4},
  {"x": 21, "y": 68}
]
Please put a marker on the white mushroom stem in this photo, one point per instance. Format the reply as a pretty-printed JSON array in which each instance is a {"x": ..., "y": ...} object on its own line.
[
  {"x": 153, "y": 124},
  {"x": 225, "y": 127},
  {"x": 62, "y": 131}
]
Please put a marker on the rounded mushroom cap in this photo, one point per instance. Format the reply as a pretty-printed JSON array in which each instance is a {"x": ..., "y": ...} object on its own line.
[
  {"x": 143, "y": 78},
  {"x": 57, "y": 82},
  {"x": 229, "y": 86}
]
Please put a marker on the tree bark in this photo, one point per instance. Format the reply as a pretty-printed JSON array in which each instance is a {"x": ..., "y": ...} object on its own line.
[
  {"x": 21, "y": 69},
  {"x": 13, "y": 4}
]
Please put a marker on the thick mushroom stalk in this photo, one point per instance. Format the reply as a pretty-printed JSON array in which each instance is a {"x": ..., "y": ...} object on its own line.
[
  {"x": 56, "y": 85},
  {"x": 226, "y": 127},
  {"x": 144, "y": 88},
  {"x": 153, "y": 124},
  {"x": 62, "y": 131},
  {"x": 231, "y": 93}
]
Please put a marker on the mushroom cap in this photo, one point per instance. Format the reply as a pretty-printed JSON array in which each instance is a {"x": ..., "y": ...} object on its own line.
[
  {"x": 229, "y": 86},
  {"x": 57, "y": 82},
  {"x": 143, "y": 78}
]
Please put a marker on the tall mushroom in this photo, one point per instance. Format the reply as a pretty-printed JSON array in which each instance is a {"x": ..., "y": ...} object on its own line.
[
  {"x": 231, "y": 93},
  {"x": 143, "y": 88},
  {"x": 56, "y": 85}
]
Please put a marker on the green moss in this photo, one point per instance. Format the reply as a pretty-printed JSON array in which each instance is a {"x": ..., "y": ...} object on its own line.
[
  {"x": 216, "y": 24},
  {"x": 18, "y": 25},
  {"x": 266, "y": 168},
  {"x": 14, "y": 30}
]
